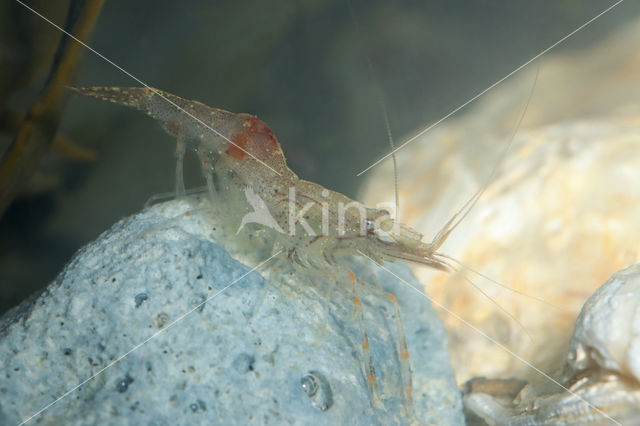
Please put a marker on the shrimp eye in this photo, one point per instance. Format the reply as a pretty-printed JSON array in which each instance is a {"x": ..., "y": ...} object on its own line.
[{"x": 371, "y": 227}]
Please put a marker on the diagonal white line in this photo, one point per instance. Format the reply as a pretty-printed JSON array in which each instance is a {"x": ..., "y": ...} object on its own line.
[
  {"x": 501, "y": 346},
  {"x": 121, "y": 357},
  {"x": 422, "y": 132},
  {"x": 147, "y": 86}
]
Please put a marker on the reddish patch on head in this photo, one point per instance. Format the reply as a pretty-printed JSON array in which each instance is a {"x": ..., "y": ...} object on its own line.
[
  {"x": 258, "y": 127},
  {"x": 256, "y": 138},
  {"x": 238, "y": 149},
  {"x": 173, "y": 128}
]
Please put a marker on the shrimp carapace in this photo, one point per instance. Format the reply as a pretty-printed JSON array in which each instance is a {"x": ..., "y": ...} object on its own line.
[{"x": 212, "y": 130}]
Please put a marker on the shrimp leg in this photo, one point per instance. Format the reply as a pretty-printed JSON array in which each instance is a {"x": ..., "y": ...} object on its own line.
[
  {"x": 181, "y": 148},
  {"x": 368, "y": 367},
  {"x": 402, "y": 348},
  {"x": 403, "y": 352}
]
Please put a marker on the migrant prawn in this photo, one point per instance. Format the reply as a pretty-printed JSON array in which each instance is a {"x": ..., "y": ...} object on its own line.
[{"x": 246, "y": 172}]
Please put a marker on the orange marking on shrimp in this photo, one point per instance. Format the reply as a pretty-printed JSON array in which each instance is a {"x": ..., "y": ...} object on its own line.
[
  {"x": 409, "y": 391},
  {"x": 187, "y": 213},
  {"x": 313, "y": 200},
  {"x": 365, "y": 343},
  {"x": 352, "y": 276},
  {"x": 238, "y": 149},
  {"x": 290, "y": 201},
  {"x": 372, "y": 379},
  {"x": 255, "y": 137},
  {"x": 405, "y": 353},
  {"x": 392, "y": 298},
  {"x": 259, "y": 127},
  {"x": 357, "y": 303},
  {"x": 316, "y": 238},
  {"x": 173, "y": 128}
]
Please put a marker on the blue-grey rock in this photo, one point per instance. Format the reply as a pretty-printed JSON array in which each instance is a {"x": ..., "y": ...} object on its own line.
[{"x": 281, "y": 350}]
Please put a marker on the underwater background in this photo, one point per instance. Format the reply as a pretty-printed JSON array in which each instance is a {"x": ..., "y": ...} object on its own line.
[{"x": 302, "y": 67}]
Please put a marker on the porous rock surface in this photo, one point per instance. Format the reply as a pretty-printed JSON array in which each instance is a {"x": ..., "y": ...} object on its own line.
[{"x": 239, "y": 358}]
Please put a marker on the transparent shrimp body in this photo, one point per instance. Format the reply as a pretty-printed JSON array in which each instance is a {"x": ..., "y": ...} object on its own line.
[
  {"x": 239, "y": 154},
  {"x": 250, "y": 186}
]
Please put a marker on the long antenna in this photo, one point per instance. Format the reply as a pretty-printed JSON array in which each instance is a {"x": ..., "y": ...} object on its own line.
[
  {"x": 383, "y": 106},
  {"x": 423, "y": 131},
  {"x": 462, "y": 268},
  {"x": 461, "y": 214},
  {"x": 481, "y": 291},
  {"x": 394, "y": 157},
  {"x": 385, "y": 114}
]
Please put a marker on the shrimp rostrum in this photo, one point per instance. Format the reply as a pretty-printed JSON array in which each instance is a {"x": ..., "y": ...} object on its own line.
[{"x": 246, "y": 172}]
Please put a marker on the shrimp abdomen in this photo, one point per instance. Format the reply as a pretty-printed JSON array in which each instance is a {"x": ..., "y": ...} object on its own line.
[{"x": 191, "y": 117}]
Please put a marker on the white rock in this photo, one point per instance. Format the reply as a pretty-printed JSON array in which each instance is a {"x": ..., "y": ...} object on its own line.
[
  {"x": 600, "y": 376},
  {"x": 607, "y": 332},
  {"x": 560, "y": 217}
]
